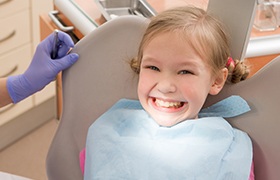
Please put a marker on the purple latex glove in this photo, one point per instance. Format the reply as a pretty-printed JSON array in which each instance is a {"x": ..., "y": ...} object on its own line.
[{"x": 42, "y": 69}]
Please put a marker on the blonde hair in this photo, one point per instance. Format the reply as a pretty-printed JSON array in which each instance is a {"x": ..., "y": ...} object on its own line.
[{"x": 203, "y": 32}]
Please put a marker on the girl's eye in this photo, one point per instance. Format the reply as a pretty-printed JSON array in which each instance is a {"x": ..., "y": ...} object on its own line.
[
  {"x": 185, "y": 72},
  {"x": 153, "y": 68}
]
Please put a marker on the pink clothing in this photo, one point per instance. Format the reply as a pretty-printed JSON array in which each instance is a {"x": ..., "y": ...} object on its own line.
[
  {"x": 252, "y": 175},
  {"x": 83, "y": 158}
]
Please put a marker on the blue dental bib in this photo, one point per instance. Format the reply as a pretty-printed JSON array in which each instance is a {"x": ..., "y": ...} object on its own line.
[{"x": 126, "y": 143}]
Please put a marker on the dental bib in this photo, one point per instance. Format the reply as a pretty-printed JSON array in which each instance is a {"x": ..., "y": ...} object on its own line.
[{"x": 126, "y": 143}]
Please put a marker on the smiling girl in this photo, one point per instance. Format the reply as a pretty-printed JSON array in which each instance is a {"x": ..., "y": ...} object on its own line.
[{"x": 183, "y": 57}]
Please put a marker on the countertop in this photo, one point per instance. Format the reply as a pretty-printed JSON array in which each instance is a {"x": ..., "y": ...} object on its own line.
[{"x": 90, "y": 7}]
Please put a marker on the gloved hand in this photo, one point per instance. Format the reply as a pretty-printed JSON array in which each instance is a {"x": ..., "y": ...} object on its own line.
[{"x": 42, "y": 69}]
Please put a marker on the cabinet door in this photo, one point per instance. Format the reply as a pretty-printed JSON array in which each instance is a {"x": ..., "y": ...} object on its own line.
[
  {"x": 15, "y": 31},
  {"x": 14, "y": 63},
  {"x": 10, "y": 7}
]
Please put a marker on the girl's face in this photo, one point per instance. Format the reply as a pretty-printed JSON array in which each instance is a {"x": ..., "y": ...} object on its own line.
[{"x": 174, "y": 81}]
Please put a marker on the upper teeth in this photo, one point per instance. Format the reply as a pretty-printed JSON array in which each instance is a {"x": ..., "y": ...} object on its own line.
[{"x": 167, "y": 104}]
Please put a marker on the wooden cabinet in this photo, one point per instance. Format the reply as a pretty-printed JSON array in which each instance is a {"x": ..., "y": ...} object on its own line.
[
  {"x": 18, "y": 39},
  {"x": 9, "y": 7},
  {"x": 15, "y": 49},
  {"x": 11, "y": 64}
]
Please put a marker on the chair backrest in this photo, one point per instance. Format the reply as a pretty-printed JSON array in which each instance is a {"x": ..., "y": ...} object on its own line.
[
  {"x": 262, "y": 123},
  {"x": 238, "y": 16},
  {"x": 102, "y": 76}
]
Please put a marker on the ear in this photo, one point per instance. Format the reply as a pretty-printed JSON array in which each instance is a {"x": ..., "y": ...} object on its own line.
[{"x": 219, "y": 81}]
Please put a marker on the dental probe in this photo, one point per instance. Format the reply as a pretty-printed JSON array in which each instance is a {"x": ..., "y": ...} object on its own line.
[{"x": 55, "y": 45}]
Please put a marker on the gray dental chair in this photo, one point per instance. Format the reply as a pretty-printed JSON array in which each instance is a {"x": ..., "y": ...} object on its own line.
[{"x": 102, "y": 76}]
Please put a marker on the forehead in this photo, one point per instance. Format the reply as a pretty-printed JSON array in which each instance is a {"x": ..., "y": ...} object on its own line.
[
  {"x": 171, "y": 45},
  {"x": 185, "y": 35}
]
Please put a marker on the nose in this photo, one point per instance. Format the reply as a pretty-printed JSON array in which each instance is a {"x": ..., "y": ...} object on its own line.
[{"x": 166, "y": 85}]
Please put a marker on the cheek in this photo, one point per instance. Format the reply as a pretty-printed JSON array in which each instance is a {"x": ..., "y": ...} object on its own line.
[
  {"x": 194, "y": 90},
  {"x": 143, "y": 84}
]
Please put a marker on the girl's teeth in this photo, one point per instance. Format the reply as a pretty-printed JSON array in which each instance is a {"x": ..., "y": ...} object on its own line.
[{"x": 168, "y": 104}]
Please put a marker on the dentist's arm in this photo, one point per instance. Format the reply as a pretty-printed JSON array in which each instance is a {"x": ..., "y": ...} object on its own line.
[
  {"x": 40, "y": 72},
  {"x": 4, "y": 95}
]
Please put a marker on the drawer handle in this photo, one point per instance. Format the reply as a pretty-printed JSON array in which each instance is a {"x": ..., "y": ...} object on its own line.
[
  {"x": 4, "y": 2},
  {"x": 10, "y": 72},
  {"x": 8, "y": 37},
  {"x": 6, "y": 108},
  {"x": 58, "y": 23}
]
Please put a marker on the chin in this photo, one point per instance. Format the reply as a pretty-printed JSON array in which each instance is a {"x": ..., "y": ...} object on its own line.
[
  {"x": 166, "y": 122},
  {"x": 169, "y": 121}
]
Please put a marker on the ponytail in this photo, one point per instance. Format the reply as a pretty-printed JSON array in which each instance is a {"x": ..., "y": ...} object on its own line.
[{"x": 238, "y": 71}]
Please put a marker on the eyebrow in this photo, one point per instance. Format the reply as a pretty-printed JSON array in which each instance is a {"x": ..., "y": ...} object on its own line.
[
  {"x": 192, "y": 63},
  {"x": 148, "y": 59}
]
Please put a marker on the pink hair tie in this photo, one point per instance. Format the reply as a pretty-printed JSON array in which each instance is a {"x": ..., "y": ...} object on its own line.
[{"x": 229, "y": 62}]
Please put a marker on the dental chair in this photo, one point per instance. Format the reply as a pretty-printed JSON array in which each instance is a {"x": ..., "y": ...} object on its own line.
[{"x": 102, "y": 76}]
